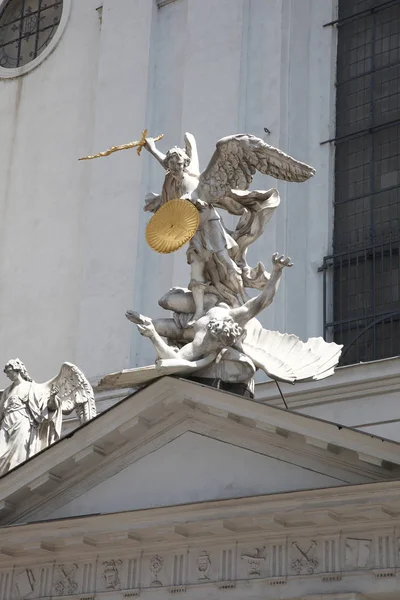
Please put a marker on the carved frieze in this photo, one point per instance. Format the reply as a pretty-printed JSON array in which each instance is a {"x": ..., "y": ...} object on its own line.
[
  {"x": 227, "y": 570},
  {"x": 358, "y": 553},
  {"x": 25, "y": 583},
  {"x": 203, "y": 563},
  {"x": 156, "y": 566},
  {"x": 110, "y": 576},
  {"x": 304, "y": 559},
  {"x": 28, "y": 582},
  {"x": 65, "y": 583},
  {"x": 275, "y": 561},
  {"x": 255, "y": 560}
]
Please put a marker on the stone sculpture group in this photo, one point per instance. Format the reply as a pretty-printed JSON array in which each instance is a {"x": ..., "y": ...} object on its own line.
[{"x": 213, "y": 332}]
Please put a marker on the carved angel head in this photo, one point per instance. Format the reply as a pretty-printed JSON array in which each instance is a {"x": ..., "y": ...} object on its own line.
[
  {"x": 14, "y": 367},
  {"x": 176, "y": 161}
]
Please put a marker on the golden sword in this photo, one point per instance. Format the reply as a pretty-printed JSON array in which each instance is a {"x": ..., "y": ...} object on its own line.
[{"x": 138, "y": 145}]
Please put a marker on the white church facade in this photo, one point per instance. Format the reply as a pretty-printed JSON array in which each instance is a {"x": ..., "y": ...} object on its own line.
[{"x": 180, "y": 488}]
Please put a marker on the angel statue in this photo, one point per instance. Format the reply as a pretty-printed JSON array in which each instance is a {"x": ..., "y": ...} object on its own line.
[
  {"x": 31, "y": 413},
  {"x": 213, "y": 334},
  {"x": 218, "y": 256}
]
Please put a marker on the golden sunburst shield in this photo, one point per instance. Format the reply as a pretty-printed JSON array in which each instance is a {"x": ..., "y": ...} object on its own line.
[{"x": 174, "y": 224}]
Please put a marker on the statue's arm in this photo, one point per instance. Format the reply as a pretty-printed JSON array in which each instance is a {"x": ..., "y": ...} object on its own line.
[
  {"x": 53, "y": 402},
  {"x": 191, "y": 352},
  {"x": 151, "y": 147},
  {"x": 254, "y": 306}
]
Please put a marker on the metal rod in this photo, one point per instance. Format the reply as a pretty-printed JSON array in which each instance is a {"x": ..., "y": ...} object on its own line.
[
  {"x": 362, "y": 196},
  {"x": 367, "y": 246},
  {"x": 367, "y": 11},
  {"x": 372, "y": 180},
  {"x": 366, "y": 328},
  {"x": 367, "y": 317},
  {"x": 19, "y": 39},
  {"x": 282, "y": 396},
  {"x": 37, "y": 28},
  {"x": 30, "y": 14},
  {"x": 351, "y": 136},
  {"x": 366, "y": 73},
  {"x": 21, "y": 28}
]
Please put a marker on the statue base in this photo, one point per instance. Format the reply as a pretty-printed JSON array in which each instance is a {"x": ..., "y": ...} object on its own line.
[{"x": 240, "y": 389}]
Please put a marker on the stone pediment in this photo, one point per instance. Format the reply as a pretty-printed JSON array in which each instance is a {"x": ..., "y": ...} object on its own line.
[{"x": 176, "y": 442}]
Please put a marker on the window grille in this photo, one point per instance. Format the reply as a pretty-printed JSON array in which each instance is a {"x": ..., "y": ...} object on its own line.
[
  {"x": 363, "y": 268},
  {"x": 26, "y": 29}
]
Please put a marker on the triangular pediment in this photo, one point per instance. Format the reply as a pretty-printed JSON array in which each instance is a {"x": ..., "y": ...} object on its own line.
[
  {"x": 177, "y": 442},
  {"x": 194, "y": 468}
]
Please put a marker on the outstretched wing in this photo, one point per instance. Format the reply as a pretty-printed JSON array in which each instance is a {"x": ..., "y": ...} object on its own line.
[
  {"x": 238, "y": 157},
  {"x": 284, "y": 357},
  {"x": 75, "y": 392},
  {"x": 191, "y": 151}
]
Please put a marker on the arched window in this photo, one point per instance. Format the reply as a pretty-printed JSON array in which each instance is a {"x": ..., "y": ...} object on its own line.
[{"x": 28, "y": 29}]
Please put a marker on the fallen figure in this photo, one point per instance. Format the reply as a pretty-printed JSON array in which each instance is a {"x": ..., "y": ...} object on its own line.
[{"x": 230, "y": 344}]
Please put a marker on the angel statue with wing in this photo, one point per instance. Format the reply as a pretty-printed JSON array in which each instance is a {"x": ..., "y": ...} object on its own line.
[
  {"x": 31, "y": 413},
  {"x": 217, "y": 256},
  {"x": 213, "y": 332}
]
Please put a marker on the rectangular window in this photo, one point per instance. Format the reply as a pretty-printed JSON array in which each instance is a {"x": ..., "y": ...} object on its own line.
[{"x": 364, "y": 265}]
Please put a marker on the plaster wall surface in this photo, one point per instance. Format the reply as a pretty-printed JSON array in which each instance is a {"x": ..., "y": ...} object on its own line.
[
  {"x": 46, "y": 123},
  {"x": 193, "y": 468},
  {"x": 363, "y": 396},
  {"x": 73, "y": 252}
]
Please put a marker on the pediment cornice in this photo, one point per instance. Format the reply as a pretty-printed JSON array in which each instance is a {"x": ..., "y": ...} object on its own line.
[{"x": 152, "y": 417}]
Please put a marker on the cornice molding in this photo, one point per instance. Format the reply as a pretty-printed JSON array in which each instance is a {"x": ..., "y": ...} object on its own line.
[
  {"x": 168, "y": 408},
  {"x": 267, "y": 540},
  {"x": 363, "y": 380}
]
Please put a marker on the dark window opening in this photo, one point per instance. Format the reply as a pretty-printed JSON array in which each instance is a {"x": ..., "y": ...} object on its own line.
[{"x": 364, "y": 266}]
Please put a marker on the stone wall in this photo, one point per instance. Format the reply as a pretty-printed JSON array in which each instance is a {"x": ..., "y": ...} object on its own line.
[{"x": 74, "y": 257}]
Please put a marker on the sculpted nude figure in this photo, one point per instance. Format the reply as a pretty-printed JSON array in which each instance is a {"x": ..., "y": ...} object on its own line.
[{"x": 220, "y": 328}]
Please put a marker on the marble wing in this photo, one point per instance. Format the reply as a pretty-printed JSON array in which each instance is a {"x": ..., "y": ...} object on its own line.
[
  {"x": 75, "y": 392},
  {"x": 191, "y": 151},
  {"x": 285, "y": 357},
  {"x": 238, "y": 157}
]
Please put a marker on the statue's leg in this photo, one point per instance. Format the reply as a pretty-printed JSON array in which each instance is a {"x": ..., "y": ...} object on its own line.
[
  {"x": 198, "y": 284},
  {"x": 221, "y": 242},
  {"x": 180, "y": 300},
  {"x": 169, "y": 329},
  {"x": 234, "y": 279},
  {"x": 197, "y": 288}
]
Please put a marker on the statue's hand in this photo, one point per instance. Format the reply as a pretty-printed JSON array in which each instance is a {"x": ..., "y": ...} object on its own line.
[
  {"x": 280, "y": 261},
  {"x": 201, "y": 205},
  {"x": 52, "y": 402},
  {"x": 149, "y": 143},
  {"x": 147, "y": 329},
  {"x": 144, "y": 324}
]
